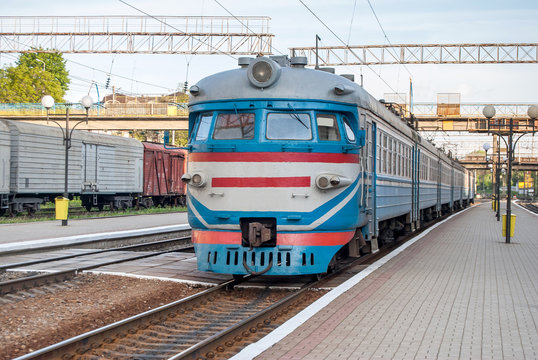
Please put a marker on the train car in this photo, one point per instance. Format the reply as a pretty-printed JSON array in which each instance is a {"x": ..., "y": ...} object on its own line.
[
  {"x": 5, "y": 153},
  {"x": 163, "y": 169},
  {"x": 103, "y": 169},
  {"x": 290, "y": 169},
  {"x": 112, "y": 170}
]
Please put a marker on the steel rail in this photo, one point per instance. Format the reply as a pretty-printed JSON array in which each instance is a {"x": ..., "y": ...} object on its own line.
[
  {"x": 57, "y": 258},
  {"x": 37, "y": 280},
  {"x": 98, "y": 335},
  {"x": 227, "y": 337}
]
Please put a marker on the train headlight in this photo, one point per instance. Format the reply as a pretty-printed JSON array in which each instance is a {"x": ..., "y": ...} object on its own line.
[
  {"x": 196, "y": 179},
  {"x": 331, "y": 181},
  {"x": 322, "y": 182},
  {"x": 335, "y": 180},
  {"x": 186, "y": 178},
  {"x": 263, "y": 72}
]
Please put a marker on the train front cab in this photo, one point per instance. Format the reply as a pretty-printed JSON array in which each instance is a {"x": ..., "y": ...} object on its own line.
[{"x": 274, "y": 186}]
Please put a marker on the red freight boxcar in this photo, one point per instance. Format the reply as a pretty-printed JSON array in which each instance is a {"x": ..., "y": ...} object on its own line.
[{"x": 163, "y": 169}]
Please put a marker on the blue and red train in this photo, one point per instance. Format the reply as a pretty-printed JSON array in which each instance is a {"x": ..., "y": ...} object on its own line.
[{"x": 291, "y": 168}]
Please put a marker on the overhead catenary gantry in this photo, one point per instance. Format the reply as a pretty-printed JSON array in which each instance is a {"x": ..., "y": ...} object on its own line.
[
  {"x": 420, "y": 54},
  {"x": 241, "y": 35}
]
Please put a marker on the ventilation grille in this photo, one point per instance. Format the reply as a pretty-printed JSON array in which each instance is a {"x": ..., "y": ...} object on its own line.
[{"x": 259, "y": 258}]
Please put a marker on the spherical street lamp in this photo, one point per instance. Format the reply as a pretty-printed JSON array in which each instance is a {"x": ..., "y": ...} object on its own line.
[
  {"x": 87, "y": 101},
  {"x": 47, "y": 101},
  {"x": 533, "y": 112},
  {"x": 489, "y": 111}
]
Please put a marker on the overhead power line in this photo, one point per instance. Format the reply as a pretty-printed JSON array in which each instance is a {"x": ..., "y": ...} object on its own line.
[
  {"x": 345, "y": 45},
  {"x": 386, "y": 37},
  {"x": 245, "y": 25},
  {"x": 103, "y": 71}
]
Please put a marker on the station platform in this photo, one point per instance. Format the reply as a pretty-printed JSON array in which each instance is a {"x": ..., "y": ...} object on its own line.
[
  {"x": 52, "y": 232},
  {"x": 457, "y": 291}
]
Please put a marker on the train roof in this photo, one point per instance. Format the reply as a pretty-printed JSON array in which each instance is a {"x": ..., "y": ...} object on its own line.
[
  {"x": 55, "y": 131},
  {"x": 296, "y": 82}
]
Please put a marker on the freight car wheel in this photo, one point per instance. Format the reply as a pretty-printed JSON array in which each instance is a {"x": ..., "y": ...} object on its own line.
[
  {"x": 88, "y": 207},
  {"x": 100, "y": 207}
]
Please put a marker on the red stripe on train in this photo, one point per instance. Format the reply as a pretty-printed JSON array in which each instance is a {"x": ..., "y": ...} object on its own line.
[
  {"x": 274, "y": 157},
  {"x": 302, "y": 239},
  {"x": 301, "y": 181}
]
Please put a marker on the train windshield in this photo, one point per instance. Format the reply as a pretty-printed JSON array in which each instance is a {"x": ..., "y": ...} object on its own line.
[
  {"x": 288, "y": 126},
  {"x": 349, "y": 131},
  {"x": 203, "y": 126},
  {"x": 327, "y": 127},
  {"x": 234, "y": 126}
]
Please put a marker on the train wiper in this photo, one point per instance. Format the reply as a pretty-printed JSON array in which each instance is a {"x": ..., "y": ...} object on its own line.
[{"x": 296, "y": 117}]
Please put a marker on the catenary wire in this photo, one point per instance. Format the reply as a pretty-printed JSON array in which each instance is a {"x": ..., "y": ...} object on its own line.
[
  {"x": 93, "y": 68},
  {"x": 175, "y": 28},
  {"x": 242, "y": 23},
  {"x": 347, "y": 46},
  {"x": 387, "y": 38}
]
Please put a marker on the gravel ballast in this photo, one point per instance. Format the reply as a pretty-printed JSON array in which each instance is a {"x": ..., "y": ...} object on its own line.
[{"x": 91, "y": 302}]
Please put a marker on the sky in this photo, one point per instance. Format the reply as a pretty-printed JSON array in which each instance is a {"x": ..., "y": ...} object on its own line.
[{"x": 404, "y": 22}]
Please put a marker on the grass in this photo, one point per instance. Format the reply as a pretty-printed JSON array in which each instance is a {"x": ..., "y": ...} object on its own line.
[{"x": 91, "y": 215}]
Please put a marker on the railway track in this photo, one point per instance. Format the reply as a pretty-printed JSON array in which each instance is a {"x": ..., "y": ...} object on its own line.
[
  {"x": 213, "y": 324},
  {"x": 28, "y": 282},
  {"x": 203, "y": 326},
  {"x": 532, "y": 207}
]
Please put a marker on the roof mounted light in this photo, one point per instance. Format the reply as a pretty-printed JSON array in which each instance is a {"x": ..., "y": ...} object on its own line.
[
  {"x": 244, "y": 61},
  {"x": 263, "y": 72},
  {"x": 194, "y": 90},
  {"x": 299, "y": 61},
  {"x": 342, "y": 89}
]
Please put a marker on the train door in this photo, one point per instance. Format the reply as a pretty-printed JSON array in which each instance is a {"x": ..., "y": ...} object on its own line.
[
  {"x": 370, "y": 180},
  {"x": 89, "y": 163}
]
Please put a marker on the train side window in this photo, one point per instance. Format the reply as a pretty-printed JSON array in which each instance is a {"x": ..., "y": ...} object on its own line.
[
  {"x": 204, "y": 124},
  {"x": 234, "y": 126},
  {"x": 349, "y": 131},
  {"x": 390, "y": 160},
  {"x": 384, "y": 154},
  {"x": 327, "y": 127},
  {"x": 288, "y": 126}
]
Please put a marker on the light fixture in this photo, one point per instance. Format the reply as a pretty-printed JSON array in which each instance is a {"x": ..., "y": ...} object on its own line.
[
  {"x": 87, "y": 101},
  {"x": 533, "y": 112},
  {"x": 263, "y": 72},
  {"x": 331, "y": 181},
  {"x": 47, "y": 101},
  {"x": 489, "y": 111}
]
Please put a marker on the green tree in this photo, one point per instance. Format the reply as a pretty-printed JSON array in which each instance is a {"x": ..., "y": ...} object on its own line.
[
  {"x": 52, "y": 63},
  {"x": 28, "y": 85},
  {"x": 35, "y": 75},
  {"x": 182, "y": 138}
]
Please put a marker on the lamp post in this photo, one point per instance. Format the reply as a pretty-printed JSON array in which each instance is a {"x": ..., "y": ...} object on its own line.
[
  {"x": 486, "y": 147},
  {"x": 48, "y": 102},
  {"x": 489, "y": 112}
]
